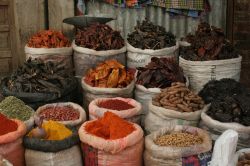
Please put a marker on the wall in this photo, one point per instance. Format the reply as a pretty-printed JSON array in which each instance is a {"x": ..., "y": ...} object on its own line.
[{"x": 241, "y": 35}]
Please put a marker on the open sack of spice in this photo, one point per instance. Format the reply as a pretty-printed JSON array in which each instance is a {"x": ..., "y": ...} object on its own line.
[
  {"x": 95, "y": 44},
  {"x": 50, "y": 45},
  {"x": 15, "y": 108},
  {"x": 38, "y": 83},
  {"x": 177, "y": 146},
  {"x": 70, "y": 114},
  {"x": 52, "y": 142},
  {"x": 156, "y": 75},
  {"x": 113, "y": 140},
  {"x": 209, "y": 55},
  {"x": 11, "y": 136},
  {"x": 108, "y": 79},
  {"x": 229, "y": 109},
  {"x": 149, "y": 40},
  {"x": 176, "y": 104},
  {"x": 125, "y": 108},
  {"x": 242, "y": 157}
]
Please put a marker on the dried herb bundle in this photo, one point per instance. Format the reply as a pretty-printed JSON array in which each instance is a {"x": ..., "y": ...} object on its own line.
[
  {"x": 160, "y": 73},
  {"x": 150, "y": 36},
  {"x": 109, "y": 74},
  {"x": 99, "y": 37},
  {"x": 38, "y": 77},
  {"x": 208, "y": 43}
]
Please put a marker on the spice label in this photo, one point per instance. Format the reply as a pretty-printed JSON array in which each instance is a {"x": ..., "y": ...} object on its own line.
[{"x": 197, "y": 160}]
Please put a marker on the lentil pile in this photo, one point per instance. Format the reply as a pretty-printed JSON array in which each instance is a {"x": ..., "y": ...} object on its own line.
[
  {"x": 179, "y": 98},
  {"x": 115, "y": 104},
  {"x": 178, "y": 139},
  {"x": 160, "y": 73},
  {"x": 6, "y": 125},
  {"x": 150, "y": 36},
  {"x": 15, "y": 108},
  {"x": 110, "y": 126},
  {"x": 244, "y": 160},
  {"x": 109, "y": 74},
  {"x": 208, "y": 43},
  {"x": 59, "y": 113},
  {"x": 99, "y": 37},
  {"x": 48, "y": 39}
]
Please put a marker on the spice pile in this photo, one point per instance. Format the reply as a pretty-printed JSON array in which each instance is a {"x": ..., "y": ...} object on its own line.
[
  {"x": 48, "y": 39},
  {"x": 178, "y": 139},
  {"x": 99, "y": 37},
  {"x": 59, "y": 113},
  {"x": 244, "y": 160},
  {"x": 150, "y": 36},
  {"x": 115, "y": 104},
  {"x": 160, "y": 73},
  {"x": 6, "y": 125},
  {"x": 179, "y": 98},
  {"x": 109, "y": 74},
  {"x": 53, "y": 131},
  {"x": 110, "y": 126},
  {"x": 15, "y": 108},
  {"x": 208, "y": 43},
  {"x": 36, "y": 76}
]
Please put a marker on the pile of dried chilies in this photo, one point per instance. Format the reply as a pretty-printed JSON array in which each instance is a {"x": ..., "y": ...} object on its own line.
[
  {"x": 48, "y": 39},
  {"x": 160, "y": 73},
  {"x": 208, "y": 43},
  {"x": 109, "y": 74},
  {"x": 99, "y": 37}
]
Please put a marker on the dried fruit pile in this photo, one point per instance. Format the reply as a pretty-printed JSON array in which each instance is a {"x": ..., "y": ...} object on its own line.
[
  {"x": 244, "y": 160},
  {"x": 38, "y": 77},
  {"x": 66, "y": 113},
  {"x": 178, "y": 139},
  {"x": 230, "y": 101},
  {"x": 48, "y": 39},
  {"x": 160, "y": 73},
  {"x": 109, "y": 74},
  {"x": 150, "y": 36},
  {"x": 208, "y": 43},
  {"x": 179, "y": 98},
  {"x": 99, "y": 37}
]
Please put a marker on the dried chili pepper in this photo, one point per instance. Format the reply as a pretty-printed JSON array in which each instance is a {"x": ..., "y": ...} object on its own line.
[
  {"x": 48, "y": 39},
  {"x": 99, "y": 37},
  {"x": 6, "y": 125},
  {"x": 115, "y": 104},
  {"x": 109, "y": 74}
]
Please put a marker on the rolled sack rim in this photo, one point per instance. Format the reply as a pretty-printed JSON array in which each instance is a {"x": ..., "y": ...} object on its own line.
[
  {"x": 50, "y": 51},
  {"x": 84, "y": 50}
]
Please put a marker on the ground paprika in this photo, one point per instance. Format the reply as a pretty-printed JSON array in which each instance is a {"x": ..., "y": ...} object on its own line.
[
  {"x": 115, "y": 104},
  {"x": 6, "y": 125},
  {"x": 110, "y": 126}
]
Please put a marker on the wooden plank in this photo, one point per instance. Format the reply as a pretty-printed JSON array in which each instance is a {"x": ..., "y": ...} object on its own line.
[
  {"x": 4, "y": 2},
  {"x": 29, "y": 18},
  {"x": 5, "y": 54},
  {"x": 58, "y": 10},
  {"x": 230, "y": 19},
  {"x": 4, "y": 28}
]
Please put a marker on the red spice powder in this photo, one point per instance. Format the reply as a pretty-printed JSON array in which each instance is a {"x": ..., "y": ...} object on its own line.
[
  {"x": 115, "y": 104},
  {"x": 110, "y": 126},
  {"x": 6, "y": 125}
]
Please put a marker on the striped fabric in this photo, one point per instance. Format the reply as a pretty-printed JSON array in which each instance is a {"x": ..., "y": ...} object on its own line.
[{"x": 185, "y": 4}]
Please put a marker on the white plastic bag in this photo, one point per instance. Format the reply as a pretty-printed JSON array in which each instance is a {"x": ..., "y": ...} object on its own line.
[
  {"x": 82, "y": 118},
  {"x": 126, "y": 151},
  {"x": 137, "y": 57},
  {"x": 159, "y": 117},
  {"x": 224, "y": 149},
  {"x": 85, "y": 58},
  {"x": 90, "y": 93},
  {"x": 62, "y": 55},
  {"x": 132, "y": 115}
]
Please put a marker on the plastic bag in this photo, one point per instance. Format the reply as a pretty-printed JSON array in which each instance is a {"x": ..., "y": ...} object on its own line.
[
  {"x": 132, "y": 115},
  {"x": 76, "y": 107},
  {"x": 159, "y": 117},
  {"x": 85, "y": 58},
  {"x": 126, "y": 151},
  {"x": 177, "y": 156},
  {"x": 224, "y": 149}
]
